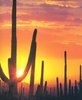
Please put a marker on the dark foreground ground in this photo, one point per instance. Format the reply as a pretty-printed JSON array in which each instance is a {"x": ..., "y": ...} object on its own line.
[{"x": 6, "y": 96}]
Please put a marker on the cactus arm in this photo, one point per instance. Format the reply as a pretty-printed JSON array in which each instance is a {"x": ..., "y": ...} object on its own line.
[
  {"x": 26, "y": 69},
  {"x": 29, "y": 63},
  {"x": 3, "y": 76},
  {"x": 31, "y": 57}
]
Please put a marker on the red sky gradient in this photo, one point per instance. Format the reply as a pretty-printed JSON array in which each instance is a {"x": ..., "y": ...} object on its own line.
[{"x": 59, "y": 24}]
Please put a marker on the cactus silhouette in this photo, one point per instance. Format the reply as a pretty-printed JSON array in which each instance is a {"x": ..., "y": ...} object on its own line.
[
  {"x": 61, "y": 90},
  {"x": 13, "y": 80},
  {"x": 42, "y": 76},
  {"x": 80, "y": 80},
  {"x": 65, "y": 73},
  {"x": 57, "y": 83},
  {"x": 70, "y": 88}
]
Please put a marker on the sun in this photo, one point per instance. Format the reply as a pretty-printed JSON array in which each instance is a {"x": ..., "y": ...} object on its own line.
[{"x": 19, "y": 73}]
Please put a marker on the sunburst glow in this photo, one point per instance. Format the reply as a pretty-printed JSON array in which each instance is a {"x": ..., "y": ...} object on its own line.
[{"x": 19, "y": 73}]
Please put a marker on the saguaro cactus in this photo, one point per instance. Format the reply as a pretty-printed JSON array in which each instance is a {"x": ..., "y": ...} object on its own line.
[
  {"x": 42, "y": 76},
  {"x": 57, "y": 83},
  {"x": 65, "y": 74},
  {"x": 70, "y": 87},
  {"x": 61, "y": 90},
  {"x": 80, "y": 80},
  {"x": 13, "y": 80}
]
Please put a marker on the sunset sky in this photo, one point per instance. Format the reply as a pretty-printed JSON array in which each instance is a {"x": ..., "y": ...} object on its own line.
[{"x": 59, "y": 24}]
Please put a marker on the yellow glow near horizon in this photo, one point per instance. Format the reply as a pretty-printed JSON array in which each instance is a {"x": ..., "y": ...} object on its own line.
[{"x": 53, "y": 67}]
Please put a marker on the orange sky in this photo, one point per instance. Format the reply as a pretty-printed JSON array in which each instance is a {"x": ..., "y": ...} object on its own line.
[{"x": 59, "y": 25}]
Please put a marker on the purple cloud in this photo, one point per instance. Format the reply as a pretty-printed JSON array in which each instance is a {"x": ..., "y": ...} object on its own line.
[{"x": 5, "y": 3}]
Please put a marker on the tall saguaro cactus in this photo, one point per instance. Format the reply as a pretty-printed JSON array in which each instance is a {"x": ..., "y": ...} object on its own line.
[
  {"x": 65, "y": 74},
  {"x": 80, "y": 80},
  {"x": 57, "y": 81},
  {"x": 42, "y": 76},
  {"x": 12, "y": 60},
  {"x": 13, "y": 80}
]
